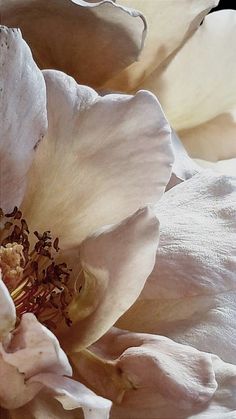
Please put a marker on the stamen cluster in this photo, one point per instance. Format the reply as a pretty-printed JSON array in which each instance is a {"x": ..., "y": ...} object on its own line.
[{"x": 37, "y": 283}]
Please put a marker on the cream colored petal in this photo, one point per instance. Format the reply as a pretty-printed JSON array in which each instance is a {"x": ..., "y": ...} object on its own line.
[
  {"x": 198, "y": 83},
  {"x": 191, "y": 294},
  {"x": 22, "y": 115},
  {"x": 34, "y": 349},
  {"x": 224, "y": 167},
  {"x": 117, "y": 261},
  {"x": 213, "y": 140},
  {"x": 72, "y": 395},
  {"x": 7, "y": 311},
  {"x": 103, "y": 158},
  {"x": 90, "y": 42},
  {"x": 169, "y": 23},
  {"x": 147, "y": 368}
]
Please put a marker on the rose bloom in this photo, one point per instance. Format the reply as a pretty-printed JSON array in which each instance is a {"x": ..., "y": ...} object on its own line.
[
  {"x": 189, "y": 67},
  {"x": 81, "y": 166}
]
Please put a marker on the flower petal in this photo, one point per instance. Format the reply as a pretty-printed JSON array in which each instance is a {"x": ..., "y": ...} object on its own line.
[
  {"x": 14, "y": 391},
  {"x": 169, "y": 24},
  {"x": 7, "y": 311},
  {"x": 213, "y": 140},
  {"x": 224, "y": 167},
  {"x": 184, "y": 167},
  {"x": 90, "y": 42},
  {"x": 103, "y": 158},
  {"x": 23, "y": 115},
  {"x": 34, "y": 349},
  {"x": 190, "y": 87},
  {"x": 139, "y": 370},
  {"x": 191, "y": 294},
  {"x": 72, "y": 395},
  {"x": 117, "y": 261}
]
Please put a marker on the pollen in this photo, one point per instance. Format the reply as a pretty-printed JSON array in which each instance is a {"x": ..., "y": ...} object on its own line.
[{"x": 36, "y": 282}]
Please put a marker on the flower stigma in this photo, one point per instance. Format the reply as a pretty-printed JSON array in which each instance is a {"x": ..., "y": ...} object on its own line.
[{"x": 36, "y": 283}]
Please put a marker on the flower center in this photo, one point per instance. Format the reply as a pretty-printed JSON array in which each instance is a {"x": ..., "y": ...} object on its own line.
[{"x": 37, "y": 283}]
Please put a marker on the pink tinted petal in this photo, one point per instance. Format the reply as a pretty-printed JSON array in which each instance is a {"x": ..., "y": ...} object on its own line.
[
  {"x": 91, "y": 42},
  {"x": 23, "y": 115},
  {"x": 150, "y": 367},
  {"x": 184, "y": 167},
  {"x": 7, "y": 310},
  {"x": 14, "y": 391},
  {"x": 34, "y": 349},
  {"x": 72, "y": 395},
  {"x": 103, "y": 158},
  {"x": 117, "y": 261}
]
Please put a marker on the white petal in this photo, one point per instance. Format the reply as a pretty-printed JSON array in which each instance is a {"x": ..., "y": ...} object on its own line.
[
  {"x": 224, "y": 167},
  {"x": 90, "y": 42},
  {"x": 184, "y": 167},
  {"x": 140, "y": 370},
  {"x": 191, "y": 294},
  {"x": 103, "y": 158},
  {"x": 117, "y": 262},
  {"x": 190, "y": 88},
  {"x": 7, "y": 311},
  {"x": 23, "y": 115},
  {"x": 34, "y": 349}
]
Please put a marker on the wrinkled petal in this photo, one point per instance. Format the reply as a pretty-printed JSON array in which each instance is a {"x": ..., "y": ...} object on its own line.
[
  {"x": 103, "y": 158},
  {"x": 190, "y": 88},
  {"x": 184, "y": 167},
  {"x": 224, "y": 167},
  {"x": 135, "y": 369},
  {"x": 23, "y": 115},
  {"x": 116, "y": 262},
  {"x": 191, "y": 294},
  {"x": 72, "y": 395},
  {"x": 14, "y": 391},
  {"x": 90, "y": 42},
  {"x": 7, "y": 311},
  {"x": 213, "y": 140},
  {"x": 169, "y": 24},
  {"x": 34, "y": 349}
]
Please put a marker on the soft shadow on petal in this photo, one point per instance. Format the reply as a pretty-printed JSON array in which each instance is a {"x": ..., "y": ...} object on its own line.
[
  {"x": 184, "y": 167},
  {"x": 224, "y": 167},
  {"x": 117, "y": 261},
  {"x": 190, "y": 86},
  {"x": 103, "y": 158},
  {"x": 143, "y": 370},
  {"x": 72, "y": 395},
  {"x": 14, "y": 391},
  {"x": 23, "y": 115},
  {"x": 34, "y": 349},
  {"x": 7, "y": 311},
  {"x": 169, "y": 24},
  {"x": 191, "y": 294},
  {"x": 91, "y": 42},
  {"x": 44, "y": 406},
  {"x": 214, "y": 140}
]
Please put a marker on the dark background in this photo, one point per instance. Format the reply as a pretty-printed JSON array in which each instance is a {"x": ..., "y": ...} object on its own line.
[{"x": 225, "y": 4}]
